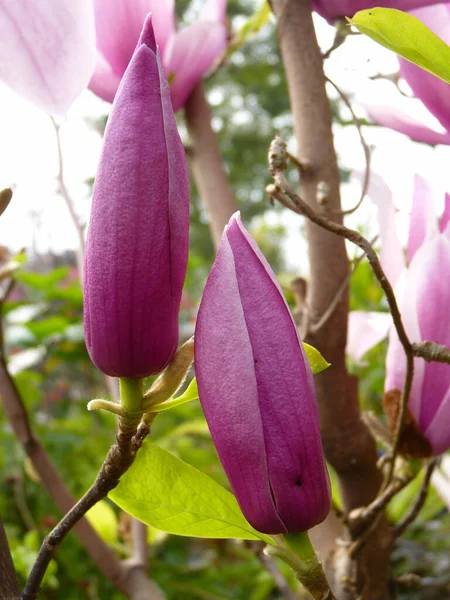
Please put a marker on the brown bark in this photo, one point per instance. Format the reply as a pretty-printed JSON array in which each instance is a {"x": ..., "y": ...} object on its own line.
[
  {"x": 207, "y": 165},
  {"x": 9, "y": 585},
  {"x": 347, "y": 443}
]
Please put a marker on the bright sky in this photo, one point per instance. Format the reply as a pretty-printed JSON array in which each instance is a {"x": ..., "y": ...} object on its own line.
[{"x": 38, "y": 217}]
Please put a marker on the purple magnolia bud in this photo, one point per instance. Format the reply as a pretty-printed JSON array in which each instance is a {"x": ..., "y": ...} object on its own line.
[
  {"x": 137, "y": 244},
  {"x": 334, "y": 9},
  {"x": 257, "y": 391},
  {"x": 424, "y": 303}
]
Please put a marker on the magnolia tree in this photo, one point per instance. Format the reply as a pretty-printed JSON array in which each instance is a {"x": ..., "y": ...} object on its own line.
[{"x": 282, "y": 410}]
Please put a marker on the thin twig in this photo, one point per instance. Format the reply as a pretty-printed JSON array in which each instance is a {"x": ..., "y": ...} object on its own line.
[
  {"x": 117, "y": 462},
  {"x": 314, "y": 328},
  {"x": 141, "y": 554},
  {"x": 298, "y": 205},
  {"x": 65, "y": 194},
  {"x": 418, "y": 504},
  {"x": 360, "y": 518},
  {"x": 365, "y": 146},
  {"x": 431, "y": 352}
]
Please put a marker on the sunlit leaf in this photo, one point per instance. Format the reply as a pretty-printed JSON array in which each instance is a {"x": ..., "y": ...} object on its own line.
[
  {"x": 104, "y": 520},
  {"x": 315, "y": 359},
  {"x": 408, "y": 37},
  {"x": 253, "y": 24},
  {"x": 167, "y": 493},
  {"x": 190, "y": 394}
]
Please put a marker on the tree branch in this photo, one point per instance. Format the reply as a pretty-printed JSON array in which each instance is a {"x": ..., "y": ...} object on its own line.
[
  {"x": 117, "y": 462},
  {"x": 418, "y": 504},
  {"x": 347, "y": 443},
  {"x": 207, "y": 166},
  {"x": 9, "y": 585},
  {"x": 432, "y": 352}
]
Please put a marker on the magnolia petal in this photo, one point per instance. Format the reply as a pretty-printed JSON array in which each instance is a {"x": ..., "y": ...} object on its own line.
[
  {"x": 445, "y": 219},
  {"x": 333, "y": 9},
  {"x": 431, "y": 90},
  {"x": 104, "y": 82},
  {"x": 399, "y": 121},
  {"x": 391, "y": 255},
  {"x": 365, "y": 330},
  {"x": 282, "y": 406},
  {"x": 438, "y": 432},
  {"x": 422, "y": 222},
  {"x": 47, "y": 50},
  {"x": 214, "y": 10},
  {"x": 395, "y": 358},
  {"x": 189, "y": 54},
  {"x": 118, "y": 24},
  {"x": 429, "y": 275}
]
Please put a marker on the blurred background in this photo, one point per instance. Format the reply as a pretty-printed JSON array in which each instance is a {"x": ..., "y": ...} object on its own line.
[{"x": 51, "y": 166}]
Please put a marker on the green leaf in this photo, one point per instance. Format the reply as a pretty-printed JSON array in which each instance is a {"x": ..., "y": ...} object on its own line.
[
  {"x": 48, "y": 326},
  {"x": 190, "y": 394},
  {"x": 104, "y": 520},
  {"x": 252, "y": 26},
  {"x": 167, "y": 493},
  {"x": 43, "y": 280},
  {"x": 315, "y": 359},
  {"x": 406, "y": 36}
]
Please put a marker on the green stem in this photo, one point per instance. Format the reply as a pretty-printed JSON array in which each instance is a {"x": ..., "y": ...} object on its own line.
[
  {"x": 301, "y": 557},
  {"x": 300, "y": 545},
  {"x": 131, "y": 394}
]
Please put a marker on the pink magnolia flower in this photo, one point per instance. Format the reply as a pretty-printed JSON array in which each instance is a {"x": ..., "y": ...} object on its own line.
[
  {"x": 186, "y": 54},
  {"x": 260, "y": 407},
  {"x": 334, "y": 9},
  {"x": 423, "y": 294},
  {"x": 137, "y": 243},
  {"x": 432, "y": 91},
  {"x": 47, "y": 50}
]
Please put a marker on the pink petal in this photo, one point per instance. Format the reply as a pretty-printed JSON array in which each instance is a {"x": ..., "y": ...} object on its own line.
[
  {"x": 365, "y": 330},
  {"x": 395, "y": 358},
  {"x": 214, "y": 10},
  {"x": 105, "y": 81},
  {"x": 422, "y": 222},
  {"x": 118, "y": 24},
  {"x": 429, "y": 276},
  {"x": 47, "y": 50},
  {"x": 189, "y": 54},
  {"x": 391, "y": 255},
  {"x": 438, "y": 432},
  {"x": 431, "y": 90},
  {"x": 403, "y": 123},
  {"x": 445, "y": 219}
]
